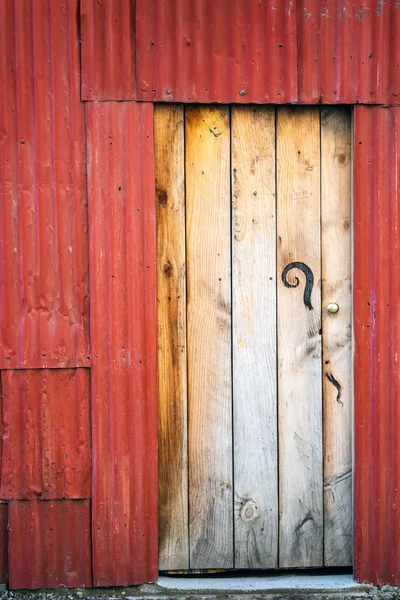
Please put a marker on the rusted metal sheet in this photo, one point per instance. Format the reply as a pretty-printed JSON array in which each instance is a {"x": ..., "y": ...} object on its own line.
[
  {"x": 377, "y": 341},
  {"x": 123, "y": 333},
  {"x": 108, "y": 49},
  {"x": 225, "y": 51},
  {"x": 3, "y": 542},
  {"x": 306, "y": 51},
  {"x": 43, "y": 209},
  {"x": 47, "y": 438},
  {"x": 49, "y": 544},
  {"x": 348, "y": 52}
]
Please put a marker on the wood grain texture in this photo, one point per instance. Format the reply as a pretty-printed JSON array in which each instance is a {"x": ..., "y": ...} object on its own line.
[
  {"x": 299, "y": 340},
  {"x": 171, "y": 349},
  {"x": 336, "y": 332},
  {"x": 254, "y": 338},
  {"x": 209, "y": 336}
]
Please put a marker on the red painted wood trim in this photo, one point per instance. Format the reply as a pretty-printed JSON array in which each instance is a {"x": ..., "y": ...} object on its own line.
[{"x": 123, "y": 338}]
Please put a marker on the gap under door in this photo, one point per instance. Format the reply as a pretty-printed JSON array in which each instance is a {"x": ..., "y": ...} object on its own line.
[{"x": 254, "y": 336}]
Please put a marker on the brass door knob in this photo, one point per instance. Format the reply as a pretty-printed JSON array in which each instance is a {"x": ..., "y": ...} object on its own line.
[{"x": 332, "y": 308}]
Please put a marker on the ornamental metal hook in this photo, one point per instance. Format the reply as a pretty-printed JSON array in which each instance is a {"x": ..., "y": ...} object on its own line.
[{"x": 309, "y": 280}]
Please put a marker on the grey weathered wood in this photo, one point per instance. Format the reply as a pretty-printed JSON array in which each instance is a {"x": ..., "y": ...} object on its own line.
[
  {"x": 299, "y": 340},
  {"x": 171, "y": 353},
  {"x": 336, "y": 331},
  {"x": 209, "y": 336},
  {"x": 254, "y": 337}
]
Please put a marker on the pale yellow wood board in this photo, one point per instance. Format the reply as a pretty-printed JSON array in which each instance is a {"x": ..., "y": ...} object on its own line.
[
  {"x": 299, "y": 340},
  {"x": 254, "y": 337},
  {"x": 209, "y": 336},
  {"x": 171, "y": 349},
  {"x": 336, "y": 331}
]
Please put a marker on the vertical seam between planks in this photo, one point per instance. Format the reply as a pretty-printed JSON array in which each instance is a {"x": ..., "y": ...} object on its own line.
[
  {"x": 276, "y": 109},
  {"x": 187, "y": 338},
  {"x": 322, "y": 331},
  {"x": 231, "y": 277},
  {"x": 353, "y": 345}
]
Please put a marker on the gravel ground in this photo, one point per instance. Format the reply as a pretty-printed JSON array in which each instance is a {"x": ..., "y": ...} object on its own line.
[{"x": 152, "y": 592}]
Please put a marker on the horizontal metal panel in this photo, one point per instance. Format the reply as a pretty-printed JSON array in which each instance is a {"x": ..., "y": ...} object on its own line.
[
  {"x": 44, "y": 308},
  {"x": 123, "y": 333},
  {"x": 49, "y": 544},
  {"x": 225, "y": 51},
  {"x": 306, "y": 51},
  {"x": 47, "y": 438},
  {"x": 108, "y": 49},
  {"x": 377, "y": 342},
  {"x": 348, "y": 52}
]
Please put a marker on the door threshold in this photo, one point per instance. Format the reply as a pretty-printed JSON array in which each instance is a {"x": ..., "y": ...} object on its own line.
[{"x": 264, "y": 583}]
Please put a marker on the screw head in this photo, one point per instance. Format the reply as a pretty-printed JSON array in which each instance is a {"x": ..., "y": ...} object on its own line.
[
  {"x": 332, "y": 308},
  {"x": 242, "y": 92}
]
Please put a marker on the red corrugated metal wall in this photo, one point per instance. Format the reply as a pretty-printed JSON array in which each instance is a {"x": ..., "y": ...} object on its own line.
[
  {"x": 376, "y": 327},
  {"x": 78, "y": 477}
]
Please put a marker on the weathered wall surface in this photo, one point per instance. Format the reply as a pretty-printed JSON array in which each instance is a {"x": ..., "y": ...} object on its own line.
[{"x": 77, "y": 282}]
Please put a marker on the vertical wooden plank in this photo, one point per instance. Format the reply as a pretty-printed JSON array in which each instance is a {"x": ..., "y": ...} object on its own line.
[
  {"x": 172, "y": 366},
  {"x": 299, "y": 338},
  {"x": 209, "y": 336},
  {"x": 254, "y": 338},
  {"x": 336, "y": 332}
]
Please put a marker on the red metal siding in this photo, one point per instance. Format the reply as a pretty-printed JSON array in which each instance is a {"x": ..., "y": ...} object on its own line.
[
  {"x": 376, "y": 328},
  {"x": 348, "y": 51},
  {"x": 306, "y": 51},
  {"x": 108, "y": 49},
  {"x": 43, "y": 211},
  {"x": 46, "y": 441},
  {"x": 123, "y": 330},
  {"x": 49, "y": 544},
  {"x": 3, "y": 543},
  {"x": 191, "y": 51}
]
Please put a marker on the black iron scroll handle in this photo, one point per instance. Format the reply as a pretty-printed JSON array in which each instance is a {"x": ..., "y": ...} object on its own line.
[{"x": 309, "y": 280}]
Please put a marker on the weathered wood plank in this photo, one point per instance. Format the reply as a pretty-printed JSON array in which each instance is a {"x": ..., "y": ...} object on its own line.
[
  {"x": 254, "y": 338},
  {"x": 209, "y": 336},
  {"x": 299, "y": 338},
  {"x": 336, "y": 333},
  {"x": 172, "y": 365}
]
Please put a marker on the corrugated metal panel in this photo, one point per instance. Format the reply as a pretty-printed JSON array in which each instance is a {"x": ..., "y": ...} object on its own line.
[
  {"x": 191, "y": 51},
  {"x": 49, "y": 544},
  {"x": 348, "y": 51},
  {"x": 108, "y": 47},
  {"x": 335, "y": 51},
  {"x": 43, "y": 209},
  {"x": 123, "y": 330},
  {"x": 46, "y": 442},
  {"x": 377, "y": 342},
  {"x": 3, "y": 542}
]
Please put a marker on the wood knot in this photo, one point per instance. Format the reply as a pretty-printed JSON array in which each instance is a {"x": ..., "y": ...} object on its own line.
[
  {"x": 249, "y": 512},
  {"x": 168, "y": 270},
  {"x": 162, "y": 196},
  {"x": 342, "y": 159}
]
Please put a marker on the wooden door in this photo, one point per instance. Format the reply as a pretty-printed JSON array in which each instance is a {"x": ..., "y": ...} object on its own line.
[{"x": 254, "y": 376}]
